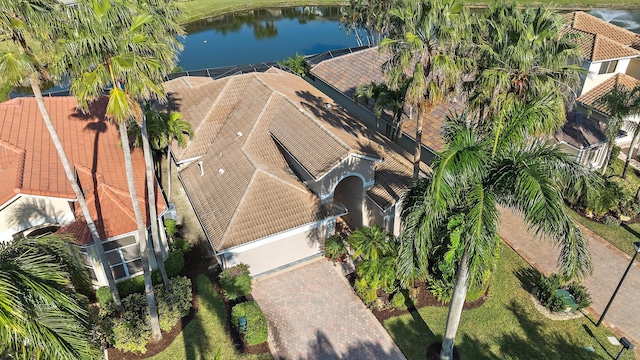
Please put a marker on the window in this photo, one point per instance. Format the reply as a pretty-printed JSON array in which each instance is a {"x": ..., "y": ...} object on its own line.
[{"x": 608, "y": 67}]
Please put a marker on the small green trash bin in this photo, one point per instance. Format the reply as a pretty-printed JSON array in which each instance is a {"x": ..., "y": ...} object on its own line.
[{"x": 570, "y": 303}]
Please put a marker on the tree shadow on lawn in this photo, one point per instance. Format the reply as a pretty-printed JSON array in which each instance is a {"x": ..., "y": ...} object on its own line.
[{"x": 536, "y": 343}]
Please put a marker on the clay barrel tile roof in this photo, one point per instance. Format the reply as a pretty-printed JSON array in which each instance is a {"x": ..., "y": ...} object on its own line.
[
  {"x": 590, "y": 99},
  {"x": 92, "y": 145},
  {"x": 600, "y": 40}
]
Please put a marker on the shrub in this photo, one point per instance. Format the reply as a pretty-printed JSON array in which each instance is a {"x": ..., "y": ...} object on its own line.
[
  {"x": 611, "y": 221},
  {"x": 580, "y": 294},
  {"x": 174, "y": 263},
  {"x": 235, "y": 281},
  {"x": 170, "y": 227},
  {"x": 103, "y": 294},
  {"x": 398, "y": 301},
  {"x": 365, "y": 291},
  {"x": 256, "y": 331},
  {"x": 181, "y": 244},
  {"x": 175, "y": 305},
  {"x": 334, "y": 248},
  {"x": 130, "y": 331},
  {"x": 441, "y": 290},
  {"x": 555, "y": 303},
  {"x": 134, "y": 285}
]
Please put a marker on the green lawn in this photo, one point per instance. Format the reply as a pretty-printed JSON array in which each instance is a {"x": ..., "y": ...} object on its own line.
[
  {"x": 205, "y": 335},
  {"x": 507, "y": 326},
  {"x": 622, "y": 236}
]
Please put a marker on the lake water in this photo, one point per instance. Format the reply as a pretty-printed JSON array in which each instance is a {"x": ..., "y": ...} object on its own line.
[{"x": 275, "y": 34}]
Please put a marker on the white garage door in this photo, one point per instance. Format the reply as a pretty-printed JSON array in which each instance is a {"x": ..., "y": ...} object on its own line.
[{"x": 265, "y": 255}]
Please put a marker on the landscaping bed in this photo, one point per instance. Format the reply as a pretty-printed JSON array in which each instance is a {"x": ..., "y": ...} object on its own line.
[{"x": 233, "y": 346}]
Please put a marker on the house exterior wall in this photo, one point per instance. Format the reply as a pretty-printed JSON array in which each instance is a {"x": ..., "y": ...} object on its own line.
[
  {"x": 634, "y": 68},
  {"x": 279, "y": 251},
  {"x": 28, "y": 211},
  {"x": 350, "y": 166}
]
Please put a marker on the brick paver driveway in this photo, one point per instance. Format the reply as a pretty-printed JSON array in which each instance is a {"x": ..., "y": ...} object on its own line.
[{"x": 314, "y": 314}]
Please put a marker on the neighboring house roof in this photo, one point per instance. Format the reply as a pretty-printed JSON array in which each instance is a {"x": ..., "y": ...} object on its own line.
[
  {"x": 92, "y": 145},
  {"x": 590, "y": 99},
  {"x": 347, "y": 71},
  {"x": 581, "y": 131},
  {"x": 601, "y": 40},
  {"x": 241, "y": 184}
]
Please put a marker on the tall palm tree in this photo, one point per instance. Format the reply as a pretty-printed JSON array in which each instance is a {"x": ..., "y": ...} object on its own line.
[
  {"x": 41, "y": 315},
  {"x": 424, "y": 40},
  {"x": 522, "y": 54},
  {"x": 33, "y": 21},
  {"x": 129, "y": 47},
  {"x": 472, "y": 179},
  {"x": 620, "y": 103}
]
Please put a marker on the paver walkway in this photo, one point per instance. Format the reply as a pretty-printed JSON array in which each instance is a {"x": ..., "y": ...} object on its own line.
[
  {"x": 314, "y": 314},
  {"x": 608, "y": 264}
]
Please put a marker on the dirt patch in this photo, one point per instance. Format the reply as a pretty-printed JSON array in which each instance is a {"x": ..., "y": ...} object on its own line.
[{"x": 423, "y": 298}]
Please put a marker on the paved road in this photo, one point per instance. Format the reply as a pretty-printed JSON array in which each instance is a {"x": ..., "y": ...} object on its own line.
[
  {"x": 608, "y": 263},
  {"x": 314, "y": 314}
]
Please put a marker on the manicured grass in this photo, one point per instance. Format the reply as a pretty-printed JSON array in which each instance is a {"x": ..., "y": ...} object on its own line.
[
  {"x": 620, "y": 236},
  {"x": 206, "y": 334},
  {"x": 507, "y": 326}
]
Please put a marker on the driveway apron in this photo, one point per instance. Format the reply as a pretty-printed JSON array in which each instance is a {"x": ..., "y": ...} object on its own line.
[{"x": 314, "y": 314}]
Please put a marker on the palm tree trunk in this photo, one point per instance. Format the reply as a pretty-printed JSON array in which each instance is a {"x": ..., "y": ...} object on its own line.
[
  {"x": 398, "y": 134},
  {"x": 156, "y": 334},
  {"x": 455, "y": 307},
  {"x": 606, "y": 161},
  {"x": 418, "y": 148},
  {"x": 78, "y": 193},
  {"x": 630, "y": 152},
  {"x": 168, "y": 173},
  {"x": 153, "y": 212}
]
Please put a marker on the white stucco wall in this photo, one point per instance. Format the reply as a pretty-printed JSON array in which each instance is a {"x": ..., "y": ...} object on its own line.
[
  {"x": 280, "y": 250},
  {"x": 29, "y": 211}
]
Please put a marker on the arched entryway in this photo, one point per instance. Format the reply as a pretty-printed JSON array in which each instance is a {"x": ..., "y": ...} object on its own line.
[{"x": 349, "y": 192}]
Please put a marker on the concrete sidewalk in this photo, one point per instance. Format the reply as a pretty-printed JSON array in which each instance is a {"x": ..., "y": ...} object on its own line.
[{"x": 608, "y": 264}]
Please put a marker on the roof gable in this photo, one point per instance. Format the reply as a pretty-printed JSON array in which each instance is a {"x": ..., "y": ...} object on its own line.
[
  {"x": 600, "y": 40},
  {"x": 590, "y": 99}
]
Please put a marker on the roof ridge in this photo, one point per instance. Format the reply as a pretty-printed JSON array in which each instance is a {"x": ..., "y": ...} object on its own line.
[
  {"x": 286, "y": 183},
  {"x": 608, "y": 24},
  {"x": 237, "y": 209}
]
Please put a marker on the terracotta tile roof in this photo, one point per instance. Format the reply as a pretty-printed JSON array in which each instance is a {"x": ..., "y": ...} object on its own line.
[
  {"x": 92, "y": 146},
  {"x": 590, "y": 98},
  {"x": 11, "y": 170},
  {"x": 601, "y": 40},
  {"x": 581, "y": 131},
  {"x": 347, "y": 72},
  {"x": 245, "y": 190}
]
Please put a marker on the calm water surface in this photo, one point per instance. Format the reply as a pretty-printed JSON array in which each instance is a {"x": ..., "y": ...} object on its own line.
[{"x": 275, "y": 34}]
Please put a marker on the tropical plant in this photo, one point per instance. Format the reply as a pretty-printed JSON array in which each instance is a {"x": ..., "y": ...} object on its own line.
[
  {"x": 522, "y": 55},
  {"x": 104, "y": 57},
  {"x": 175, "y": 304},
  {"x": 620, "y": 103},
  {"x": 469, "y": 178},
  {"x": 297, "y": 64},
  {"x": 41, "y": 315},
  {"x": 32, "y": 24},
  {"x": 424, "y": 41},
  {"x": 334, "y": 248},
  {"x": 384, "y": 97},
  {"x": 367, "y": 17},
  {"x": 236, "y": 281},
  {"x": 163, "y": 128},
  {"x": 371, "y": 243}
]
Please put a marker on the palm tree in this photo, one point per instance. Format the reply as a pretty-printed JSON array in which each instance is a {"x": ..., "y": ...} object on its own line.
[
  {"x": 371, "y": 242},
  {"x": 424, "y": 39},
  {"x": 41, "y": 315},
  {"x": 471, "y": 180},
  {"x": 620, "y": 103},
  {"x": 384, "y": 97},
  {"x": 522, "y": 54},
  {"x": 135, "y": 47},
  {"x": 22, "y": 22}
]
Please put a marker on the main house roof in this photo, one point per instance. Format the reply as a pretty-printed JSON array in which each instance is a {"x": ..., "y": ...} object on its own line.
[
  {"x": 362, "y": 67},
  {"x": 590, "y": 99},
  {"x": 601, "y": 40},
  {"x": 247, "y": 127},
  {"x": 29, "y": 159}
]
